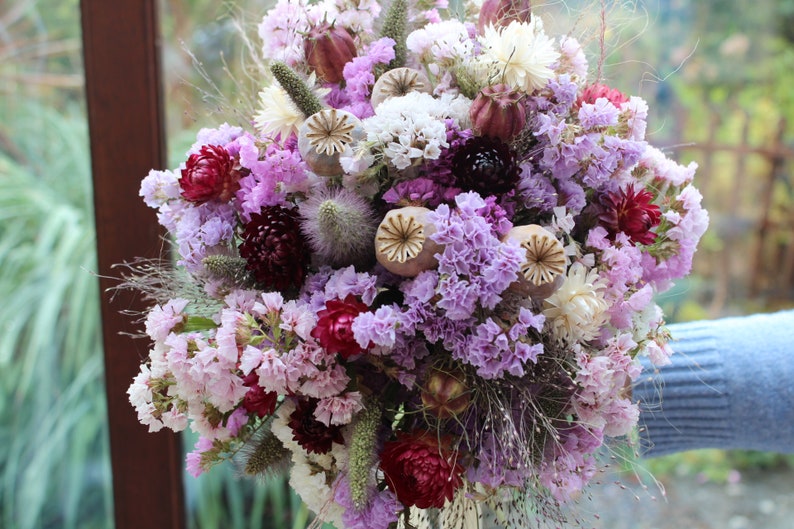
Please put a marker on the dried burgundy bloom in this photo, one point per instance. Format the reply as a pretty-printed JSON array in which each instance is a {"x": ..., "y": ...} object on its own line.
[
  {"x": 630, "y": 212},
  {"x": 310, "y": 433},
  {"x": 334, "y": 326},
  {"x": 274, "y": 248},
  {"x": 257, "y": 400},
  {"x": 419, "y": 470},
  {"x": 327, "y": 49},
  {"x": 209, "y": 175},
  {"x": 485, "y": 165}
]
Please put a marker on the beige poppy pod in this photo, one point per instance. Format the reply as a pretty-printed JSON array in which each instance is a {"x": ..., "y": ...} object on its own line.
[
  {"x": 543, "y": 269},
  {"x": 324, "y": 135},
  {"x": 402, "y": 242},
  {"x": 398, "y": 82}
]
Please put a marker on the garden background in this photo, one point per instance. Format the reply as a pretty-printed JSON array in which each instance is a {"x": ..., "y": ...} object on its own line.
[{"x": 716, "y": 73}]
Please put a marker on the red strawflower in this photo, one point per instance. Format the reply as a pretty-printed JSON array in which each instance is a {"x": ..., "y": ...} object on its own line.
[
  {"x": 334, "y": 326},
  {"x": 208, "y": 175},
  {"x": 257, "y": 400},
  {"x": 274, "y": 248},
  {"x": 420, "y": 471},
  {"x": 596, "y": 90},
  {"x": 310, "y": 433},
  {"x": 632, "y": 213}
]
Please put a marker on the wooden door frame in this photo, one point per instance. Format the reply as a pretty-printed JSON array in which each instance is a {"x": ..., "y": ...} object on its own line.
[{"x": 125, "y": 116}]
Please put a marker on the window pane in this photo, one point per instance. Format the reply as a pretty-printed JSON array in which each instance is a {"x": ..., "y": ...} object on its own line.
[{"x": 53, "y": 428}]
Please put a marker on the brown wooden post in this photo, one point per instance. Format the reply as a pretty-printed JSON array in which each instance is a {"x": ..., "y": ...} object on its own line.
[{"x": 120, "y": 40}]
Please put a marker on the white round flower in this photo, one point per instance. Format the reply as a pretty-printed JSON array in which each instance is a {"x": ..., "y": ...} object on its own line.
[
  {"x": 577, "y": 309},
  {"x": 277, "y": 114},
  {"x": 520, "y": 54}
]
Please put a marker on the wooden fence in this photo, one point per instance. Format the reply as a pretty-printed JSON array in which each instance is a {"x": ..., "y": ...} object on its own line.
[{"x": 746, "y": 258}]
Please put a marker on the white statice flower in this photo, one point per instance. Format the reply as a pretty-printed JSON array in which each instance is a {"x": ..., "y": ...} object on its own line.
[
  {"x": 577, "y": 310},
  {"x": 311, "y": 484},
  {"x": 411, "y": 128},
  {"x": 441, "y": 45},
  {"x": 520, "y": 54},
  {"x": 277, "y": 113}
]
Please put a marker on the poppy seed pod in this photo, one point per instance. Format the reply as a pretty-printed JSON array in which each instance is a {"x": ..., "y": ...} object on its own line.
[
  {"x": 501, "y": 12},
  {"x": 327, "y": 50},
  {"x": 498, "y": 112}
]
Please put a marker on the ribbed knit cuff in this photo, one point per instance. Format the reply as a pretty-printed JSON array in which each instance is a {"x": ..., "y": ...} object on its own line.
[
  {"x": 685, "y": 405},
  {"x": 730, "y": 385}
]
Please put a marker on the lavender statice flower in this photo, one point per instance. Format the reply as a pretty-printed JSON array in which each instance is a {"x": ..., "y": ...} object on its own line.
[
  {"x": 379, "y": 512},
  {"x": 359, "y": 75}
]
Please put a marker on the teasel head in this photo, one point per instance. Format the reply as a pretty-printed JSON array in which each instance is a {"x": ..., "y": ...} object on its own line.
[
  {"x": 399, "y": 82},
  {"x": 339, "y": 226},
  {"x": 229, "y": 269},
  {"x": 543, "y": 269},
  {"x": 323, "y": 137},
  {"x": 402, "y": 243}
]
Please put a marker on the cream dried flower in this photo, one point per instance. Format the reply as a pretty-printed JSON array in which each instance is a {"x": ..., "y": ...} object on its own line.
[
  {"x": 277, "y": 113},
  {"x": 577, "y": 310},
  {"x": 520, "y": 55}
]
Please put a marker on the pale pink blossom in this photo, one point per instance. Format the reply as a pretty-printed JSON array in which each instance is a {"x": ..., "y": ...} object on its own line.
[{"x": 338, "y": 410}]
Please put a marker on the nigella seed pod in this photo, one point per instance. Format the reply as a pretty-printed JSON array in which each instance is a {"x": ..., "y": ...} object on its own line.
[
  {"x": 544, "y": 263},
  {"x": 498, "y": 112},
  {"x": 402, "y": 243},
  {"x": 327, "y": 49},
  {"x": 445, "y": 394},
  {"x": 323, "y": 137},
  {"x": 499, "y": 13},
  {"x": 399, "y": 82}
]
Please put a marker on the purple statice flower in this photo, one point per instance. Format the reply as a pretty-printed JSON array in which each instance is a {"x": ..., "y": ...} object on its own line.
[
  {"x": 571, "y": 195},
  {"x": 497, "y": 216},
  {"x": 160, "y": 187},
  {"x": 280, "y": 172},
  {"x": 535, "y": 191},
  {"x": 475, "y": 267},
  {"x": 359, "y": 73},
  {"x": 420, "y": 191},
  {"x": 563, "y": 96},
  {"x": 376, "y": 328},
  {"x": 379, "y": 512},
  {"x": 495, "y": 467},
  {"x": 203, "y": 230},
  {"x": 490, "y": 349},
  {"x": 569, "y": 464},
  {"x": 346, "y": 281},
  {"x": 223, "y": 135},
  {"x": 597, "y": 115}
]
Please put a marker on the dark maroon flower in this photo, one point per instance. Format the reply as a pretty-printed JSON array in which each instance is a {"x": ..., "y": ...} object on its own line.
[
  {"x": 597, "y": 90},
  {"x": 630, "y": 212},
  {"x": 485, "y": 165},
  {"x": 209, "y": 175},
  {"x": 257, "y": 400},
  {"x": 327, "y": 49},
  {"x": 310, "y": 433},
  {"x": 419, "y": 470},
  {"x": 274, "y": 248},
  {"x": 334, "y": 326}
]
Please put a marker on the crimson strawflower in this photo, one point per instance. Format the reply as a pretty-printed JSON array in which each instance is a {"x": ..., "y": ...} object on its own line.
[
  {"x": 334, "y": 326},
  {"x": 257, "y": 400},
  {"x": 419, "y": 470},
  {"x": 210, "y": 174},
  {"x": 631, "y": 212},
  {"x": 597, "y": 90}
]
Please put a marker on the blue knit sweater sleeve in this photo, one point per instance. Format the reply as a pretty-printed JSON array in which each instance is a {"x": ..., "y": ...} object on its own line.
[{"x": 730, "y": 385}]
